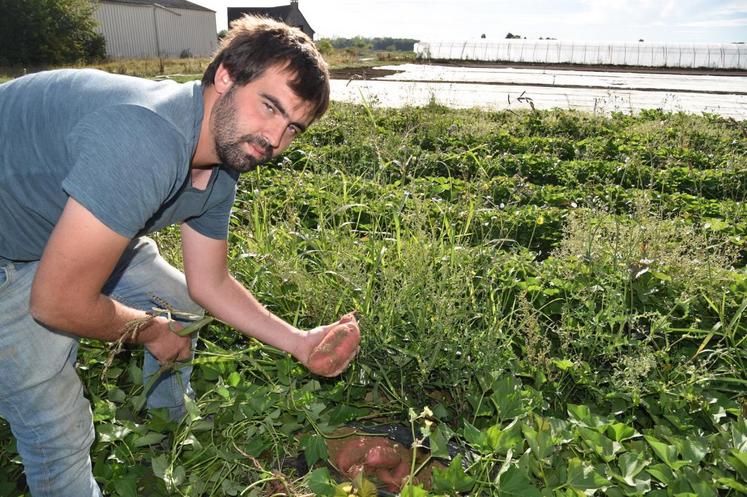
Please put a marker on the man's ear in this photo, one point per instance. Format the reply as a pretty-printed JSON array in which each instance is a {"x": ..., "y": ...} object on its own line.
[{"x": 223, "y": 80}]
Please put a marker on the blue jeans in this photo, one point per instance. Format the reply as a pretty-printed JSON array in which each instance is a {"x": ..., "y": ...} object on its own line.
[{"x": 41, "y": 395}]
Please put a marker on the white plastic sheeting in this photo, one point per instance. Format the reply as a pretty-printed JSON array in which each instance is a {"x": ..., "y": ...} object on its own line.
[
  {"x": 517, "y": 89},
  {"x": 692, "y": 55},
  {"x": 702, "y": 83}
]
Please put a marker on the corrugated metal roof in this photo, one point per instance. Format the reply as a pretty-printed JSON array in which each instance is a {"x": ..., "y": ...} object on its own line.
[{"x": 174, "y": 4}]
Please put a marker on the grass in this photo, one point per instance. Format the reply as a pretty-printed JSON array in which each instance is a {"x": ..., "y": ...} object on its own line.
[
  {"x": 187, "y": 69},
  {"x": 566, "y": 294}
]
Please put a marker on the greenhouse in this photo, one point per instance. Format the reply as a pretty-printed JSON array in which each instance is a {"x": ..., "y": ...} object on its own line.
[{"x": 684, "y": 55}]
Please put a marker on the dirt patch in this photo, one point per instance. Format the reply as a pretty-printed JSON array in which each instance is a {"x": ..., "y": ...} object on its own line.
[{"x": 369, "y": 72}]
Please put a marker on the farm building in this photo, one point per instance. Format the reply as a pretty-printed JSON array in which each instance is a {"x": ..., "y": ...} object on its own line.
[
  {"x": 685, "y": 55},
  {"x": 289, "y": 14},
  {"x": 163, "y": 28}
]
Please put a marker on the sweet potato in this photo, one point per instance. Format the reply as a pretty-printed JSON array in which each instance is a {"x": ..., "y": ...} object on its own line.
[
  {"x": 336, "y": 349},
  {"x": 394, "y": 478},
  {"x": 383, "y": 456}
]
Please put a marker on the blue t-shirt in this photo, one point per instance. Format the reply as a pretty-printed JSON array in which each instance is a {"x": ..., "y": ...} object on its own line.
[{"x": 120, "y": 146}]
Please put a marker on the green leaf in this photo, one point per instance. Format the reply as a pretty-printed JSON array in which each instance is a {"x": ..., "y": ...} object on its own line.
[
  {"x": 452, "y": 479},
  {"x": 739, "y": 434},
  {"x": 341, "y": 414},
  {"x": 514, "y": 483},
  {"x": 410, "y": 490},
  {"x": 343, "y": 489},
  {"x": 540, "y": 442},
  {"x": 661, "y": 472},
  {"x": 630, "y": 465},
  {"x": 701, "y": 487},
  {"x": 667, "y": 453},
  {"x": 234, "y": 379},
  {"x": 136, "y": 373},
  {"x": 619, "y": 432},
  {"x": 733, "y": 484},
  {"x": 126, "y": 486},
  {"x": 504, "y": 439},
  {"x": 475, "y": 437},
  {"x": 581, "y": 415},
  {"x": 159, "y": 464},
  {"x": 692, "y": 450},
  {"x": 584, "y": 477},
  {"x": 507, "y": 397},
  {"x": 601, "y": 445},
  {"x": 738, "y": 461},
  {"x": 363, "y": 487},
  {"x": 320, "y": 482},
  {"x": 112, "y": 432},
  {"x": 563, "y": 364},
  {"x": 149, "y": 438},
  {"x": 314, "y": 448},
  {"x": 178, "y": 475},
  {"x": 116, "y": 395},
  {"x": 439, "y": 442}
]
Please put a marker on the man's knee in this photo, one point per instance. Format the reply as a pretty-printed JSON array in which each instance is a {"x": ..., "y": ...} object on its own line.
[{"x": 53, "y": 426}]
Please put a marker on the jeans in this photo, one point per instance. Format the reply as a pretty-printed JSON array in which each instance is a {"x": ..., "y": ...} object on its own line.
[{"x": 41, "y": 395}]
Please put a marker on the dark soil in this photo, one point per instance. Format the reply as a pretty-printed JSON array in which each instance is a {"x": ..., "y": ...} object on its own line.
[{"x": 360, "y": 72}]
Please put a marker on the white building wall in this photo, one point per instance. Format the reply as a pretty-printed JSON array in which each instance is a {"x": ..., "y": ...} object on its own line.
[
  {"x": 141, "y": 31},
  {"x": 712, "y": 56}
]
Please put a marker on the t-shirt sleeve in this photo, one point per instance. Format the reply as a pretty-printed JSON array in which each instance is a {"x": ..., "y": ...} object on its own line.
[
  {"x": 126, "y": 162},
  {"x": 213, "y": 223}
]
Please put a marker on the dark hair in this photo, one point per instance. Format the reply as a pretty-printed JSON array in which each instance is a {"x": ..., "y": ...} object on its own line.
[{"x": 255, "y": 44}]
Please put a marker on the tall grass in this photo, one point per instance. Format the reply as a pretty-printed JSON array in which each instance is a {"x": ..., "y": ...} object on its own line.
[{"x": 541, "y": 281}]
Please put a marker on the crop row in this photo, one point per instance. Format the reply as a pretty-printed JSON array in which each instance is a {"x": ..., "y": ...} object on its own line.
[{"x": 501, "y": 208}]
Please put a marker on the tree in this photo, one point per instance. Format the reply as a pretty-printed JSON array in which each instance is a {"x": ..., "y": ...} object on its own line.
[
  {"x": 49, "y": 32},
  {"x": 324, "y": 46}
]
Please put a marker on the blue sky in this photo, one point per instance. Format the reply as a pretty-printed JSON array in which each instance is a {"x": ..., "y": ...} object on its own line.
[{"x": 696, "y": 21}]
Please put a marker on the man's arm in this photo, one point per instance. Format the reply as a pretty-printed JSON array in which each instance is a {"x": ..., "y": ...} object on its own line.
[
  {"x": 211, "y": 286},
  {"x": 66, "y": 294}
]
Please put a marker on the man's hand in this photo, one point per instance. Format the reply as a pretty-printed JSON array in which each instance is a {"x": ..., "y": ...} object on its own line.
[
  {"x": 161, "y": 341},
  {"x": 328, "y": 350}
]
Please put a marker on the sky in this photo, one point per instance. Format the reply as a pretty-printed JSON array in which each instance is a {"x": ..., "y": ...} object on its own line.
[{"x": 676, "y": 21}]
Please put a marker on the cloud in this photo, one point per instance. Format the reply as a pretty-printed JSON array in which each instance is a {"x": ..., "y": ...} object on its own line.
[{"x": 716, "y": 23}]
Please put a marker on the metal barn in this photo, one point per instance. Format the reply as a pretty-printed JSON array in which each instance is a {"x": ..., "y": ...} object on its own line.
[{"x": 166, "y": 28}]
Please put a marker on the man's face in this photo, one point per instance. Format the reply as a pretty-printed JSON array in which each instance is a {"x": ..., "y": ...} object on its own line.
[{"x": 255, "y": 122}]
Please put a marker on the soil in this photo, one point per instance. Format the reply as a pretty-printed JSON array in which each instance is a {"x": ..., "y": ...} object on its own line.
[{"x": 368, "y": 72}]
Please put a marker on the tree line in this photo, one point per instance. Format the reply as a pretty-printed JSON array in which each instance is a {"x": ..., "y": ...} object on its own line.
[
  {"x": 378, "y": 44},
  {"x": 49, "y": 32}
]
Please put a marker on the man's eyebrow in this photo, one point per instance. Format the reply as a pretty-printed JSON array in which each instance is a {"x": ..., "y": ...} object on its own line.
[{"x": 282, "y": 110}]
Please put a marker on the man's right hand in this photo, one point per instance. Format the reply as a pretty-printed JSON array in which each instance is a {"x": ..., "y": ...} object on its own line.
[{"x": 165, "y": 345}]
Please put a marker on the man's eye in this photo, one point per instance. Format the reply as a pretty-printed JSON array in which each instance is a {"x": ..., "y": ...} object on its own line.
[
  {"x": 269, "y": 108},
  {"x": 293, "y": 130}
]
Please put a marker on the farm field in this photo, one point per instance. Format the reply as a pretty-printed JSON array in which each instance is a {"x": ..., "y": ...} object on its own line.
[
  {"x": 554, "y": 302},
  {"x": 521, "y": 87}
]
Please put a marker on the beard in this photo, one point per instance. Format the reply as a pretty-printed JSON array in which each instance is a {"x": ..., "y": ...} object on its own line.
[{"x": 229, "y": 144}]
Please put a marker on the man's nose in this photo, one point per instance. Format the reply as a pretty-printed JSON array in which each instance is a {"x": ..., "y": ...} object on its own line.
[{"x": 276, "y": 132}]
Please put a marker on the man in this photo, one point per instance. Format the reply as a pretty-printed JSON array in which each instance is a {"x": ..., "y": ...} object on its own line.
[{"x": 89, "y": 163}]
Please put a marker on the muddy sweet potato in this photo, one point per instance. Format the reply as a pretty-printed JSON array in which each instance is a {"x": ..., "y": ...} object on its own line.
[
  {"x": 336, "y": 349},
  {"x": 393, "y": 478},
  {"x": 383, "y": 456}
]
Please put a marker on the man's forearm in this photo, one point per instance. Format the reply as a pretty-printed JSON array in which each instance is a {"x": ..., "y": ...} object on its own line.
[
  {"x": 233, "y": 304},
  {"x": 101, "y": 318}
]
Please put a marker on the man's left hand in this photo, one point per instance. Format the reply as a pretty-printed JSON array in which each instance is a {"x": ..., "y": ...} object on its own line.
[{"x": 328, "y": 350}]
